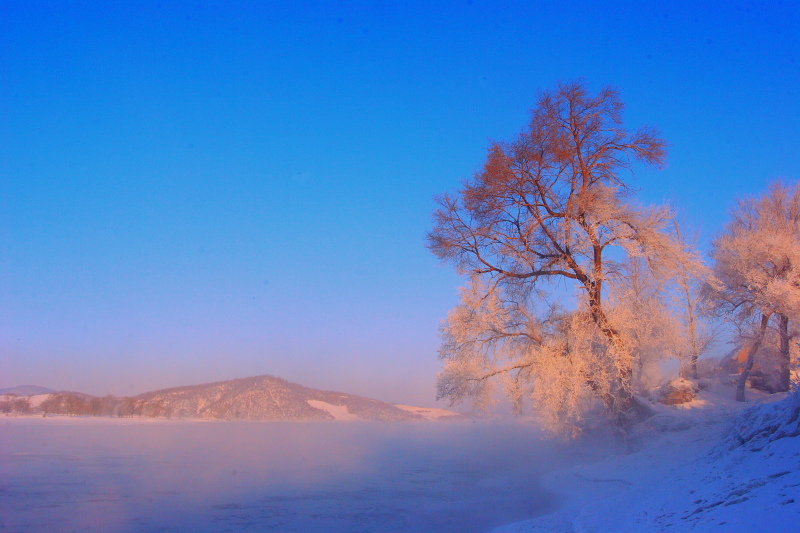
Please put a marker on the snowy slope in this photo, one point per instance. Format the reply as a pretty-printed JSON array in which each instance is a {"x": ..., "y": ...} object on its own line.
[
  {"x": 338, "y": 412},
  {"x": 692, "y": 468}
]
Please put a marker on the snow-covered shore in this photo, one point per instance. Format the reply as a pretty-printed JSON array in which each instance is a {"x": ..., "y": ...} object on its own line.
[{"x": 703, "y": 466}]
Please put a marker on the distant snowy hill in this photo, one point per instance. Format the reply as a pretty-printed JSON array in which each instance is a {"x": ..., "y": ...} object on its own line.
[
  {"x": 26, "y": 390},
  {"x": 254, "y": 398},
  {"x": 264, "y": 398}
]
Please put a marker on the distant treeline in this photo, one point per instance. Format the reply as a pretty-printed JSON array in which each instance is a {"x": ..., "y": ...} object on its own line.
[
  {"x": 12, "y": 404},
  {"x": 78, "y": 404}
]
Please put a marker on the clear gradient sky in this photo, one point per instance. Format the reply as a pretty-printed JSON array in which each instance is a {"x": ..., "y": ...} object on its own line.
[{"x": 197, "y": 191}]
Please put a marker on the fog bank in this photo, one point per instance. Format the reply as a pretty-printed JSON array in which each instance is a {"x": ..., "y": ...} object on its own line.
[{"x": 144, "y": 475}]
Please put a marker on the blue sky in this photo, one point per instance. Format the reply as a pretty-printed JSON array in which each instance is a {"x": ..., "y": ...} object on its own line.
[{"x": 195, "y": 191}]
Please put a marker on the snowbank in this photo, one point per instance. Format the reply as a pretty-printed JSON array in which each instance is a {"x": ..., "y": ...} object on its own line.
[
  {"x": 695, "y": 467},
  {"x": 762, "y": 424}
]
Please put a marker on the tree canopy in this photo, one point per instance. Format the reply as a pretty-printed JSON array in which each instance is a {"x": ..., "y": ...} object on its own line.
[
  {"x": 549, "y": 206},
  {"x": 757, "y": 267}
]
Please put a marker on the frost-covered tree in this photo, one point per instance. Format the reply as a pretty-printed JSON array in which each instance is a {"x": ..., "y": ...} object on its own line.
[
  {"x": 757, "y": 263},
  {"x": 559, "y": 359},
  {"x": 548, "y": 207},
  {"x": 698, "y": 333},
  {"x": 641, "y": 305}
]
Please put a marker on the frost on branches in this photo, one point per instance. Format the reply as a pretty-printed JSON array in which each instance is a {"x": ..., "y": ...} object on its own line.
[
  {"x": 757, "y": 265},
  {"x": 550, "y": 207}
]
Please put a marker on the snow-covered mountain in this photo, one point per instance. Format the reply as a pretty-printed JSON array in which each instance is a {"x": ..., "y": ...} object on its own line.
[
  {"x": 264, "y": 398},
  {"x": 253, "y": 398}
]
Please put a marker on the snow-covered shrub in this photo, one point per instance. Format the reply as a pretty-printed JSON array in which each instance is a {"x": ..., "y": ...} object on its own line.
[
  {"x": 677, "y": 392},
  {"x": 558, "y": 360}
]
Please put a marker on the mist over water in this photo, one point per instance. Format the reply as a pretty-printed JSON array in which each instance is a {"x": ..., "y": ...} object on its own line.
[{"x": 132, "y": 475}]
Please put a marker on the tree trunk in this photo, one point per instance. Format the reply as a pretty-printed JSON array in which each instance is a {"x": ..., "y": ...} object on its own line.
[
  {"x": 785, "y": 364},
  {"x": 620, "y": 401},
  {"x": 695, "y": 354},
  {"x": 695, "y": 348},
  {"x": 751, "y": 358},
  {"x": 693, "y": 367}
]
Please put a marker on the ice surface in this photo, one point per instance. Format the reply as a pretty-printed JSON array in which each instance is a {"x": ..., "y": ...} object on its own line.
[{"x": 131, "y": 475}]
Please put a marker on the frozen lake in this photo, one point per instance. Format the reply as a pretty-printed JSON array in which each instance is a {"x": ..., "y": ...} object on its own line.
[{"x": 130, "y": 475}]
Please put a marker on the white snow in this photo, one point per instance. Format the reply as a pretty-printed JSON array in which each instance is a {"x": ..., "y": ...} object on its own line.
[
  {"x": 338, "y": 412},
  {"x": 692, "y": 468},
  {"x": 37, "y": 399},
  {"x": 429, "y": 413}
]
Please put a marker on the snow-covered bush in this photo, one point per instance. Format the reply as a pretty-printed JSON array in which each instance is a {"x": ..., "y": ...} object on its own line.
[
  {"x": 677, "y": 392},
  {"x": 559, "y": 360}
]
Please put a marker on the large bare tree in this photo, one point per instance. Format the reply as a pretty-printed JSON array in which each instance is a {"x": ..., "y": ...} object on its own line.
[{"x": 550, "y": 206}]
